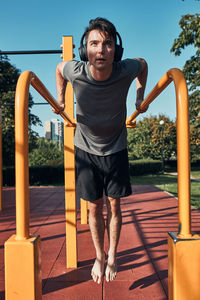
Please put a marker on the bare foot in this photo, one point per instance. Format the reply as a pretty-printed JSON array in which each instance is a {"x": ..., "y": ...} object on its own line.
[
  {"x": 111, "y": 270},
  {"x": 98, "y": 270}
]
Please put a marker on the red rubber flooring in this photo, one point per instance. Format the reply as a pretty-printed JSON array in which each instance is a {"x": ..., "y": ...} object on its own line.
[{"x": 148, "y": 215}]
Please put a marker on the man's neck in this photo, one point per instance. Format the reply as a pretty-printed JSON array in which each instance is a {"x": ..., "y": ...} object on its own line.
[{"x": 100, "y": 75}]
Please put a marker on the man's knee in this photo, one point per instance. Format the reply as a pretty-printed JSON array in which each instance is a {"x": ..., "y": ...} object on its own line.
[
  {"x": 114, "y": 205},
  {"x": 96, "y": 207}
]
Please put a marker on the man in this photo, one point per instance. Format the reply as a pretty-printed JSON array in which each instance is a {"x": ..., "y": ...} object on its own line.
[{"x": 101, "y": 85}]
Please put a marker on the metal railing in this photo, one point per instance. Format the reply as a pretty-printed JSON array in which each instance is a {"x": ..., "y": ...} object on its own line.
[
  {"x": 21, "y": 144},
  {"x": 183, "y": 149}
]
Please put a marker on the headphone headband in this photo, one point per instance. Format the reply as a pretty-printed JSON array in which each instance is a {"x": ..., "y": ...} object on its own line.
[
  {"x": 83, "y": 36},
  {"x": 118, "y": 49},
  {"x": 119, "y": 38}
]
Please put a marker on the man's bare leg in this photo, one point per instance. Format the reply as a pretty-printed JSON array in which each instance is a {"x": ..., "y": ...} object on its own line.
[
  {"x": 97, "y": 228},
  {"x": 114, "y": 222}
]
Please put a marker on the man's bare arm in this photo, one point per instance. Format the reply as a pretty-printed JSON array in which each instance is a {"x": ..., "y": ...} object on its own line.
[
  {"x": 141, "y": 84},
  {"x": 61, "y": 84}
]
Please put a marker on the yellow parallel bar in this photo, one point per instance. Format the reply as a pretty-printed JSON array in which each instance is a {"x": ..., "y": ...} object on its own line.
[
  {"x": 21, "y": 156},
  {"x": 69, "y": 155},
  {"x": 42, "y": 90},
  {"x": 183, "y": 152},
  {"x": 21, "y": 145},
  {"x": 161, "y": 85}
]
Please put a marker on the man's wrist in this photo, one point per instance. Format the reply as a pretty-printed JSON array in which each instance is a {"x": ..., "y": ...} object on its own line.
[{"x": 139, "y": 101}]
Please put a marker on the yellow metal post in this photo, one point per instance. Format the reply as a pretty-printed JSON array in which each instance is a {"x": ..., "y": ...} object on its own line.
[
  {"x": 184, "y": 248},
  {"x": 84, "y": 210},
  {"x": 184, "y": 268},
  {"x": 23, "y": 278},
  {"x": 21, "y": 156},
  {"x": 22, "y": 252},
  {"x": 69, "y": 156},
  {"x": 1, "y": 164},
  {"x": 183, "y": 153}
]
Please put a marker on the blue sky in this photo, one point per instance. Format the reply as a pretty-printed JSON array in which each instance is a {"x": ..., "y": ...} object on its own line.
[{"x": 147, "y": 27}]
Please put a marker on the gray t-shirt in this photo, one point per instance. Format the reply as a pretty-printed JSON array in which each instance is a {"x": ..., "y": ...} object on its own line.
[{"x": 101, "y": 105}]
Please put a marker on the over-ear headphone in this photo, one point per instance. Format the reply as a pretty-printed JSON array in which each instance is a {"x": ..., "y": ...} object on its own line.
[{"x": 118, "y": 49}]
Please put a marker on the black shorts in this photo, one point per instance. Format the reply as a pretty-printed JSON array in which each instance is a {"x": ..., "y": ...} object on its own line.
[{"x": 96, "y": 175}]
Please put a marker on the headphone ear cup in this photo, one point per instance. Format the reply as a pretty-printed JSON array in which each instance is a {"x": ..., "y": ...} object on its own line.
[
  {"x": 83, "y": 53},
  {"x": 118, "y": 52}
]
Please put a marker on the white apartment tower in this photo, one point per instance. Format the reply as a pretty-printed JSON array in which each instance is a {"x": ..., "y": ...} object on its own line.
[{"x": 54, "y": 130}]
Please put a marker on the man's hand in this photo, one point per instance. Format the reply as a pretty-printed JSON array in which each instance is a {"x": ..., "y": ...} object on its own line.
[
  {"x": 61, "y": 109},
  {"x": 137, "y": 105}
]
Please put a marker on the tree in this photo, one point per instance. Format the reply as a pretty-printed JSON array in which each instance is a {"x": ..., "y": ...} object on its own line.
[
  {"x": 190, "y": 36},
  {"x": 145, "y": 141},
  {"x": 46, "y": 153},
  {"x": 8, "y": 79}
]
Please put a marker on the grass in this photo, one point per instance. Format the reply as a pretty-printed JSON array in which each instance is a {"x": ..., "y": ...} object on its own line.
[
  {"x": 195, "y": 174},
  {"x": 169, "y": 183}
]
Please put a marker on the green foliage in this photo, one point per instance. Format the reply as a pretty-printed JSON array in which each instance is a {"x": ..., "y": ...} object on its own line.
[
  {"x": 190, "y": 25},
  {"x": 145, "y": 141},
  {"x": 194, "y": 107},
  {"x": 46, "y": 153},
  {"x": 42, "y": 175},
  {"x": 46, "y": 175},
  {"x": 8, "y": 79},
  {"x": 140, "y": 167},
  {"x": 190, "y": 36},
  {"x": 9, "y": 176},
  {"x": 195, "y": 141}
]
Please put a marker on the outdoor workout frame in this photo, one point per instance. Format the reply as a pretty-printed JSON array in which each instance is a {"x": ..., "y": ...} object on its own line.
[{"x": 23, "y": 240}]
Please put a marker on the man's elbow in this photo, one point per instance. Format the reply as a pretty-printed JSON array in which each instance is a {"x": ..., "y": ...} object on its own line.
[
  {"x": 143, "y": 63},
  {"x": 59, "y": 68}
]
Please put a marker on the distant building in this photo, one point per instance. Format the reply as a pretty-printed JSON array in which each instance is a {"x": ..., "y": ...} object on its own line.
[
  {"x": 48, "y": 130},
  {"x": 54, "y": 130}
]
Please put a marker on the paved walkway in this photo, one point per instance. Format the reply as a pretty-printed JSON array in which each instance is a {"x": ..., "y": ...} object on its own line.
[{"x": 148, "y": 215}]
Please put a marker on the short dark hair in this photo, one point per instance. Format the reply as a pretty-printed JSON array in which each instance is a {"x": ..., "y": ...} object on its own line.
[{"x": 103, "y": 25}]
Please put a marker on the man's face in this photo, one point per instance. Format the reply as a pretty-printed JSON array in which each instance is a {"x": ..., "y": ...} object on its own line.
[{"x": 100, "y": 50}]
